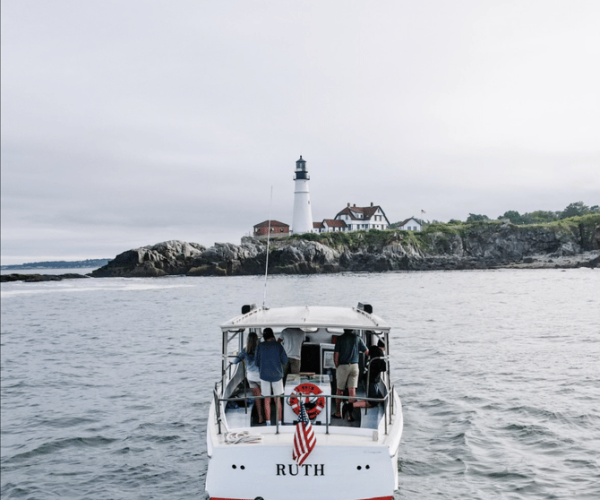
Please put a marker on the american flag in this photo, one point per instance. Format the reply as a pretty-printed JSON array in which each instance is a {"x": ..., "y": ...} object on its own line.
[{"x": 304, "y": 438}]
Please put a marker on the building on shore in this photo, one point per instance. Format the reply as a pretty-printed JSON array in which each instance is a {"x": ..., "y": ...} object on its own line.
[
  {"x": 353, "y": 218},
  {"x": 277, "y": 228},
  {"x": 411, "y": 224}
]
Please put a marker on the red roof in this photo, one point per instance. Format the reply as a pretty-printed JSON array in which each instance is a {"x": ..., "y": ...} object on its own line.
[
  {"x": 317, "y": 225},
  {"x": 274, "y": 223},
  {"x": 334, "y": 223}
]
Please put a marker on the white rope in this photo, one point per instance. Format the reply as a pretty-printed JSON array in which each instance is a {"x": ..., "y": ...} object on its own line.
[{"x": 242, "y": 437}]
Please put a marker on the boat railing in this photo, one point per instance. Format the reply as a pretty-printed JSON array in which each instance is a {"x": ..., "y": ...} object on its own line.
[
  {"x": 387, "y": 401},
  {"x": 217, "y": 406}
]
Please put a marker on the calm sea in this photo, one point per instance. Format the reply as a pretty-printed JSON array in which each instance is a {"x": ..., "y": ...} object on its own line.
[{"x": 106, "y": 383}]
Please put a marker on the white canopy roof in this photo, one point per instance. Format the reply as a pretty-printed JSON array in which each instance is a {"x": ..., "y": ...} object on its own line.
[{"x": 307, "y": 317}]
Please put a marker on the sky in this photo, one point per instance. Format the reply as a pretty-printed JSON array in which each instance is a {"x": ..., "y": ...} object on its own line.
[{"x": 128, "y": 123}]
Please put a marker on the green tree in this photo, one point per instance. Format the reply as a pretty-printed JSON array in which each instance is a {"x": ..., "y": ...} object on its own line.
[
  {"x": 574, "y": 209},
  {"x": 513, "y": 216},
  {"x": 539, "y": 217},
  {"x": 477, "y": 218}
]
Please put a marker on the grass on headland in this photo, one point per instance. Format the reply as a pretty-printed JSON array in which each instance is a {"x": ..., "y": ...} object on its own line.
[{"x": 376, "y": 238}]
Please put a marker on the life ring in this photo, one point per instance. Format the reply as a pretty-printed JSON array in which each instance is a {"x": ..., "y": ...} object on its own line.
[{"x": 313, "y": 403}]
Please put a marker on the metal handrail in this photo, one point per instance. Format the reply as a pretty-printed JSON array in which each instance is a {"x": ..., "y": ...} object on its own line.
[
  {"x": 387, "y": 414},
  {"x": 217, "y": 408}
]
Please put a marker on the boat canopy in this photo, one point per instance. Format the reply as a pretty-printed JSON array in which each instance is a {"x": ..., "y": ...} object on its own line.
[{"x": 307, "y": 317}]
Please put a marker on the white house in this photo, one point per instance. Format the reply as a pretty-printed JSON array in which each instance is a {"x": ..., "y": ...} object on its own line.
[
  {"x": 362, "y": 218},
  {"x": 411, "y": 224}
]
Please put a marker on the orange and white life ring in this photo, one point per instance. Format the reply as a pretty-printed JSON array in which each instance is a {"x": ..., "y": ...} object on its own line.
[{"x": 313, "y": 403}]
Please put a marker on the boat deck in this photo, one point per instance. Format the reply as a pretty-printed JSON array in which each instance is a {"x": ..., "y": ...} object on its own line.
[
  {"x": 366, "y": 431},
  {"x": 248, "y": 417}
]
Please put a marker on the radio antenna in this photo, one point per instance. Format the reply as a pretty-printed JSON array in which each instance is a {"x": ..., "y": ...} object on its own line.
[{"x": 268, "y": 243}]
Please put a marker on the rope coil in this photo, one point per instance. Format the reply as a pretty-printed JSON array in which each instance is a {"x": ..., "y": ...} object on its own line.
[{"x": 242, "y": 437}]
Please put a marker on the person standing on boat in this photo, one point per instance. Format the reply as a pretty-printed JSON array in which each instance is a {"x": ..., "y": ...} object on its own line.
[
  {"x": 292, "y": 339},
  {"x": 376, "y": 367},
  {"x": 248, "y": 354},
  {"x": 270, "y": 358},
  {"x": 345, "y": 356}
]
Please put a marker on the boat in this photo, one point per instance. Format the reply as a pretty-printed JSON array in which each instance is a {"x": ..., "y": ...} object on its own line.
[{"x": 355, "y": 460}]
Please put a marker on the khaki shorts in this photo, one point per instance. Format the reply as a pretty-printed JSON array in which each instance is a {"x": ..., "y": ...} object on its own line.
[
  {"x": 347, "y": 376},
  {"x": 276, "y": 387},
  {"x": 294, "y": 365}
]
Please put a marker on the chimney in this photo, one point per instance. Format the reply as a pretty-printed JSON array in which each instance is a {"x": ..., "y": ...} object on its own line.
[
  {"x": 371, "y": 203},
  {"x": 348, "y": 204},
  {"x": 354, "y": 206}
]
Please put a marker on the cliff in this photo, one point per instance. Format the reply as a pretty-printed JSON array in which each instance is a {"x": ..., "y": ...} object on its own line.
[{"x": 571, "y": 242}]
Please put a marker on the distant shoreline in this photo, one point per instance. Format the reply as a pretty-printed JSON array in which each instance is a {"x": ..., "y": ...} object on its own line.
[
  {"x": 585, "y": 260},
  {"x": 59, "y": 264}
]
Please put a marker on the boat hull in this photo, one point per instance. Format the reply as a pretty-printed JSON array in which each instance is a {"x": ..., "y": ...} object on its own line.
[
  {"x": 337, "y": 469},
  {"x": 330, "y": 473}
]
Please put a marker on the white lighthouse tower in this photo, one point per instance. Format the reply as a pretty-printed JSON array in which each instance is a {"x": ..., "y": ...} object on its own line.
[{"x": 302, "y": 221}]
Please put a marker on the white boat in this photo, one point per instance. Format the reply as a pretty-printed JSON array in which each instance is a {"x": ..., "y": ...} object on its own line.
[{"x": 350, "y": 461}]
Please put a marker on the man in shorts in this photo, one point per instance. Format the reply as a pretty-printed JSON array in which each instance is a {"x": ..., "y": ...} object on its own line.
[
  {"x": 270, "y": 358},
  {"x": 345, "y": 357}
]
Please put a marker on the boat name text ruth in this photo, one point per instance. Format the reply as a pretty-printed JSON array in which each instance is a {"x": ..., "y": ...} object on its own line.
[{"x": 294, "y": 469}]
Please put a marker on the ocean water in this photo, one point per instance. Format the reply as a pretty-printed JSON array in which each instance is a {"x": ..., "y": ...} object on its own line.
[{"x": 106, "y": 383}]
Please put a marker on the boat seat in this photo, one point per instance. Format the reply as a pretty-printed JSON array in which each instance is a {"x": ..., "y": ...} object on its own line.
[
  {"x": 238, "y": 417},
  {"x": 370, "y": 417}
]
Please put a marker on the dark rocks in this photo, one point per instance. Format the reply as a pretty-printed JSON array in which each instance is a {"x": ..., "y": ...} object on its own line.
[
  {"x": 478, "y": 246},
  {"x": 167, "y": 258},
  {"x": 33, "y": 278}
]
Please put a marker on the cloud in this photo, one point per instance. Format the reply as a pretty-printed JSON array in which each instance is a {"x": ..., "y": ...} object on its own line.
[{"x": 128, "y": 123}]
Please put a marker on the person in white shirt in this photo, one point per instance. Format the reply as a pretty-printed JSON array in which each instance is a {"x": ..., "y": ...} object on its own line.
[{"x": 292, "y": 339}]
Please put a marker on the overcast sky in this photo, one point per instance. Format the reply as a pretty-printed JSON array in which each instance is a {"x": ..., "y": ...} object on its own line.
[{"x": 127, "y": 123}]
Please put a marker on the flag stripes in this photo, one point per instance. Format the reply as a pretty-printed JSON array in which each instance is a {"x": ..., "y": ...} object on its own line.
[{"x": 304, "y": 437}]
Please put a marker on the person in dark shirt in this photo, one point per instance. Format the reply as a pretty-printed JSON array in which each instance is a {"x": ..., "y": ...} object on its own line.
[
  {"x": 345, "y": 356},
  {"x": 376, "y": 367},
  {"x": 270, "y": 358}
]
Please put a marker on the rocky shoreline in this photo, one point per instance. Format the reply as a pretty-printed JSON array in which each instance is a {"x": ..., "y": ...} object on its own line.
[{"x": 572, "y": 243}]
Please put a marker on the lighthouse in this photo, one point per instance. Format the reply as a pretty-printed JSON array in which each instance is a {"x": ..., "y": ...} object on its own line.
[{"x": 302, "y": 221}]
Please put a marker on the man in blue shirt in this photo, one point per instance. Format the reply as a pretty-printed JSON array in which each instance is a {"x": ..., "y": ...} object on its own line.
[
  {"x": 345, "y": 357},
  {"x": 270, "y": 358}
]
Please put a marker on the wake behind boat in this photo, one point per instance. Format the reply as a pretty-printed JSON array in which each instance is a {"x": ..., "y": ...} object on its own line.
[{"x": 350, "y": 458}]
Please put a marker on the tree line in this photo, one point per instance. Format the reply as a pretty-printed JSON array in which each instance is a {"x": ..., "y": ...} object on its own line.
[{"x": 539, "y": 216}]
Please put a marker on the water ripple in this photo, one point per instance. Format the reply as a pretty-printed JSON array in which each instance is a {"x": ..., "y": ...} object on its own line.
[{"x": 106, "y": 384}]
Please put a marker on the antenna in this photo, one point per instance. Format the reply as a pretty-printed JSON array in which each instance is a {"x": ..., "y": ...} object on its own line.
[{"x": 268, "y": 243}]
